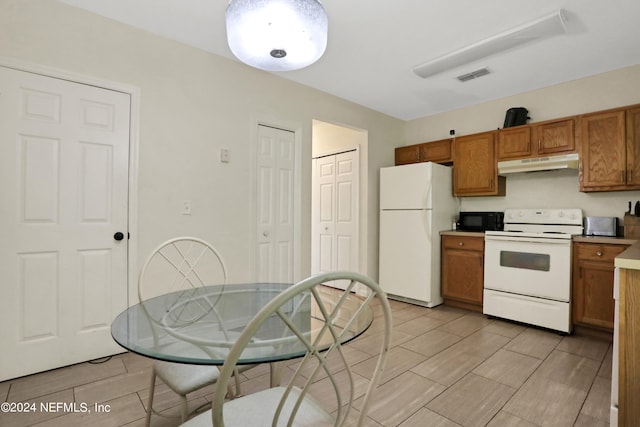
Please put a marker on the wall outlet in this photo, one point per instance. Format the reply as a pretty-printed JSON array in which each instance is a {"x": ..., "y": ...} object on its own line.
[{"x": 186, "y": 207}]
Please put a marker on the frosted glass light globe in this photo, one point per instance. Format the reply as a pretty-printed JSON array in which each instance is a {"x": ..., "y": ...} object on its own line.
[{"x": 277, "y": 35}]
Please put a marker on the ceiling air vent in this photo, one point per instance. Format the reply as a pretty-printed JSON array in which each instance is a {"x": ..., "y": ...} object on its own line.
[{"x": 473, "y": 75}]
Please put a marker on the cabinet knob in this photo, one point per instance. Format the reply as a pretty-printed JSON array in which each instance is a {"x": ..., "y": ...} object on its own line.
[
  {"x": 599, "y": 253},
  {"x": 460, "y": 243}
]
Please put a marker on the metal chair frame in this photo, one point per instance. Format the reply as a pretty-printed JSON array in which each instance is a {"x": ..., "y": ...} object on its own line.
[
  {"x": 183, "y": 255},
  {"x": 345, "y": 399}
]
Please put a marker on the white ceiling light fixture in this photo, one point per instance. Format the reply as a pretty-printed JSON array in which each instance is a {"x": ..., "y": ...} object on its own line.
[
  {"x": 277, "y": 35},
  {"x": 546, "y": 26}
]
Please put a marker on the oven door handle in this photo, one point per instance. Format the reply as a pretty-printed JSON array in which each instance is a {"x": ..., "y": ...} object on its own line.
[{"x": 544, "y": 240}]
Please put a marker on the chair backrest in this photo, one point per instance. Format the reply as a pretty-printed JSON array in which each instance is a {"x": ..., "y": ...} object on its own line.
[
  {"x": 181, "y": 263},
  {"x": 330, "y": 367}
]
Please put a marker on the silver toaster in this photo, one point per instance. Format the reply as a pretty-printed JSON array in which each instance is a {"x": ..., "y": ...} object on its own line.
[{"x": 600, "y": 225}]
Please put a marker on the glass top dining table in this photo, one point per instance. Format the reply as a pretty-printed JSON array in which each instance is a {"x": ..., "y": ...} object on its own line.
[{"x": 200, "y": 325}]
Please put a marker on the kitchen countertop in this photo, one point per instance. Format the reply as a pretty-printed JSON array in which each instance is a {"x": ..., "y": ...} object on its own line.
[
  {"x": 581, "y": 239},
  {"x": 629, "y": 259},
  {"x": 462, "y": 233},
  {"x": 605, "y": 240}
]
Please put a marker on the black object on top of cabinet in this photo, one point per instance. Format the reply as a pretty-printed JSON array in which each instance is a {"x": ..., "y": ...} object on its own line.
[{"x": 516, "y": 116}]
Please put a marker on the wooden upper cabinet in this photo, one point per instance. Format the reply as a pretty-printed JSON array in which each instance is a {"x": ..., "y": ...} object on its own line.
[
  {"x": 603, "y": 151},
  {"x": 537, "y": 140},
  {"x": 475, "y": 171},
  {"x": 555, "y": 137},
  {"x": 407, "y": 154},
  {"x": 514, "y": 143},
  {"x": 436, "y": 151},
  {"x": 633, "y": 146}
]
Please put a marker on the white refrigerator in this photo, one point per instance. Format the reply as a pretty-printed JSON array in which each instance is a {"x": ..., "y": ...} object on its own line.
[{"x": 416, "y": 203}]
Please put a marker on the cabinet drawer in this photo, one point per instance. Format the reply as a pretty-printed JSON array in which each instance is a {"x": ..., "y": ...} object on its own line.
[
  {"x": 463, "y": 242},
  {"x": 596, "y": 252}
]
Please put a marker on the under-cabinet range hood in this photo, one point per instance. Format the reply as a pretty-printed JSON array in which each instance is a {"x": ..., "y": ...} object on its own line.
[{"x": 536, "y": 164}]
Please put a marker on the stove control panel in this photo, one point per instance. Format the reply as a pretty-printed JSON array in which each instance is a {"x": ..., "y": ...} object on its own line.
[{"x": 543, "y": 216}]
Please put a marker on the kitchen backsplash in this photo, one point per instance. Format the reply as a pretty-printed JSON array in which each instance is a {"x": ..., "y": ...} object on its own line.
[{"x": 553, "y": 189}]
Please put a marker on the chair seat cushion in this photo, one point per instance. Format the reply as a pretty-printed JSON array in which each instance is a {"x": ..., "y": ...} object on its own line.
[
  {"x": 258, "y": 409},
  {"x": 184, "y": 379}
]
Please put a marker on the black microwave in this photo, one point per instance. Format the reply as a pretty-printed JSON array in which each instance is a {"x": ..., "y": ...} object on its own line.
[{"x": 481, "y": 221}]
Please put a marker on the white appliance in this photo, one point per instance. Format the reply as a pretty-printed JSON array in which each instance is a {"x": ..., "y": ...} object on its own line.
[
  {"x": 536, "y": 164},
  {"x": 416, "y": 203},
  {"x": 527, "y": 267}
]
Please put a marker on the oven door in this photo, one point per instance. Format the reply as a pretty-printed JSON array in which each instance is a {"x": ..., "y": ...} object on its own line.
[{"x": 532, "y": 266}]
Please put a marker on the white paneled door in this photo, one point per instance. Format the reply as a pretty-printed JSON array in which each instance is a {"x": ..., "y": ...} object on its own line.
[
  {"x": 335, "y": 213},
  {"x": 275, "y": 204},
  {"x": 64, "y": 156}
]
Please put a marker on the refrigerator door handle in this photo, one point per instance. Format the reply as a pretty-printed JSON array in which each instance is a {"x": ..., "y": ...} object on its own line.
[
  {"x": 427, "y": 202},
  {"x": 425, "y": 223}
]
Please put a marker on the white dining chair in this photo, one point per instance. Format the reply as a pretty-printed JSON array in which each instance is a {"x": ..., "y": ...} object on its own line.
[
  {"x": 324, "y": 386},
  {"x": 181, "y": 264}
]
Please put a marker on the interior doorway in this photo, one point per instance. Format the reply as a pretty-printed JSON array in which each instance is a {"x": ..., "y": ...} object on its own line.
[{"x": 339, "y": 198}]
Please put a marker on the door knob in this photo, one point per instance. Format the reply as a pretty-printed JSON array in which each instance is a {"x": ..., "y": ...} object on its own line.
[{"x": 118, "y": 236}]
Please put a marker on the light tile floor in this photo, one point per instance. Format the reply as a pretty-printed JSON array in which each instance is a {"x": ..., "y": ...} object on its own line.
[{"x": 448, "y": 367}]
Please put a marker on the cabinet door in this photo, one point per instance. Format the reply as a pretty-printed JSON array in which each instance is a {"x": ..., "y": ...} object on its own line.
[
  {"x": 633, "y": 146},
  {"x": 603, "y": 151},
  {"x": 463, "y": 269},
  {"x": 407, "y": 154},
  {"x": 592, "y": 301},
  {"x": 475, "y": 171},
  {"x": 555, "y": 137},
  {"x": 514, "y": 143},
  {"x": 436, "y": 151}
]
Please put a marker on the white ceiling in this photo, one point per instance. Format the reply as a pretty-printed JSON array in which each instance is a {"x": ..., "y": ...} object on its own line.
[{"x": 373, "y": 45}]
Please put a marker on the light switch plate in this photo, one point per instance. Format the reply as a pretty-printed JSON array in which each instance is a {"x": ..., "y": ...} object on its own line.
[{"x": 224, "y": 155}]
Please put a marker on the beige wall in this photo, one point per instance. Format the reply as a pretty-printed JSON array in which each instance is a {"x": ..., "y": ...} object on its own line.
[
  {"x": 541, "y": 189},
  {"x": 192, "y": 104}
]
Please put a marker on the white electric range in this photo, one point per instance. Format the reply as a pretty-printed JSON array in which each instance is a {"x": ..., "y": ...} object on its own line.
[{"x": 527, "y": 267}]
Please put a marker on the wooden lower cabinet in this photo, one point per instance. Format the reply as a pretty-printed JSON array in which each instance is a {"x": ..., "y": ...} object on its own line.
[
  {"x": 462, "y": 273},
  {"x": 629, "y": 349},
  {"x": 592, "y": 292}
]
